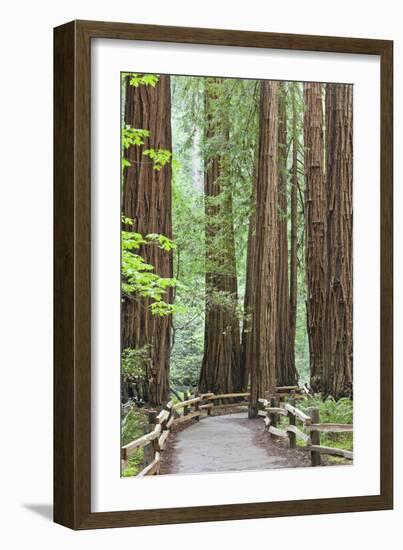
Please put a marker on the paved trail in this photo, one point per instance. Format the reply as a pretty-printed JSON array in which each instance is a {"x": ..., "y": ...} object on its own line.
[{"x": 227, "y": 443}]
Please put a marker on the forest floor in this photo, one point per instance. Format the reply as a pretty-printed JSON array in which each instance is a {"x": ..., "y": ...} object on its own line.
[{"x": 226, "y": 443}]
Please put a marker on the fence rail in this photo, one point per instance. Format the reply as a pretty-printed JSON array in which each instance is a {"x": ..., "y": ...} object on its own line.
[
  {"x": 181, "y": 413},
  {"x": 271, "y": 409}
]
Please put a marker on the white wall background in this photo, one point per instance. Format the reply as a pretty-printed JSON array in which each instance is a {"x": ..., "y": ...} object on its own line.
[{"x": 26, "y": 267}]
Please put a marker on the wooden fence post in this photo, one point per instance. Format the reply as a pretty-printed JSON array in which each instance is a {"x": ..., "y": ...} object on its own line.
[
  {"x": 149, "y": 449},
  {"x": 293, "y": 420},
  {"x": 185, "y": 408},
  {"x": 273, "y": 416},
  {"x": 313, "y": 412},
  {"x": 197, "y": 405},
  {"x": 208, "y": 401}
]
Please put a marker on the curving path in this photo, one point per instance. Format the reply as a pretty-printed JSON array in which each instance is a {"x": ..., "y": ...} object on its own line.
[{"x": 230, "y": 442}]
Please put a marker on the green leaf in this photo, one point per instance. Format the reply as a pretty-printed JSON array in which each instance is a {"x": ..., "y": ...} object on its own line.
[
  {"x": 160, "y": 157},
  {"x": 137, "y": 80}
]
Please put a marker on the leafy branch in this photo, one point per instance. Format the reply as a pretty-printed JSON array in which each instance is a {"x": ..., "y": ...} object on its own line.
[{"x": 138, "y": 276}]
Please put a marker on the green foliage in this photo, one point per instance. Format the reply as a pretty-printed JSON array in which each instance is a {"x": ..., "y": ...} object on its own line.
[
  {"x": 188, "y": 354},
  {"x": 333, "y": 412},
  {"x": 159, "y": 157},
  {"x": 330, "y": 412},
  {"x": 131, "y": 240},
  {"x": 133, "y": 425},
  {"x": 163, "y": 242},
  {"x": 132, "y": 428},
  {"x": 138, "y": 277},
  {"x": 137, "y": 80},
  {"x": 188, "y": 231},
  {"x": 133, "y": 136},
  {"x": 135, "y": 464},
  {"x": 130, "y": 137},
  {"x": 134, "y": 363}
]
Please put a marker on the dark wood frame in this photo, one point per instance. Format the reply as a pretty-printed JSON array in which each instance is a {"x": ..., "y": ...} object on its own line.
[{"x": 72, "y": 246}]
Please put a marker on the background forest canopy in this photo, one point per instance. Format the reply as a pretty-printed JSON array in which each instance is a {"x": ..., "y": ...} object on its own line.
[{"x": 236, "y": 236}]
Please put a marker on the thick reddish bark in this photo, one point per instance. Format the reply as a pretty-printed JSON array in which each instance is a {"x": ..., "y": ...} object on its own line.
[
  {"x": 220, "y": 371},
  {"x": 146, "y": 198},
  {"x": 315, "y": 227},
  {"x": 285, "y": 361},
  {"x": 337, "y": 378},
  {"x": 294, "y": 224},
  {"x": 262, "y": 359}
]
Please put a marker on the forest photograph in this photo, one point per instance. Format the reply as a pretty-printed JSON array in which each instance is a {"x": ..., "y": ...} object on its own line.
[{"x": 236, "y": 274}]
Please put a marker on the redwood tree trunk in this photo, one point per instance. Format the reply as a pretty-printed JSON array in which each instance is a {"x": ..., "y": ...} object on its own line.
[
  {"x": 146, "y": 198},
  {"x": 338, "y": 330},
  {"x": 285, "y": 361},
  {"x": 294, "y": 224},
  {"x": 246, "y": 347},
  {"x": 315, "y": 227},
  {"x": 220, "y": 371},
  {"x": 262, "y": 359}
]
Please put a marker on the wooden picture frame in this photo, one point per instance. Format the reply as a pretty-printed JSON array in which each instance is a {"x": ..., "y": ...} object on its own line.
[{"x": 72, "y": 271}]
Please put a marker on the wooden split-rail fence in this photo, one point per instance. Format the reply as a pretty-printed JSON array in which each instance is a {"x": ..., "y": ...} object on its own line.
[
  {"x": 298, "y": 424},
  {"x": 161, "y": 424},
  {"x": 194, "y": 407}
]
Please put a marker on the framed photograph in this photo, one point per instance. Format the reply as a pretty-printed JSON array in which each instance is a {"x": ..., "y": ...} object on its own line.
[{"x": 222, "y": 327}]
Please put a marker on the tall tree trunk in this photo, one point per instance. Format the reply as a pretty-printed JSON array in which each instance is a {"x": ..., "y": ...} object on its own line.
[
  {"x": 262, "y": 359},
  {"x": 315, "y": 227},
  {"x": 338, "y": 330},
  {"x": 146, "y": 198},
  {"x": 220, "y": 371},
  {"x": 246, "y": 342},
  {"x": 285, "y": 361},
  {"x": 294, "y": 225}
]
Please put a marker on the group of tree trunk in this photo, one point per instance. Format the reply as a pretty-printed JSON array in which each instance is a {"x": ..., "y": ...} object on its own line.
[{"x": 255, "y": 350}]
